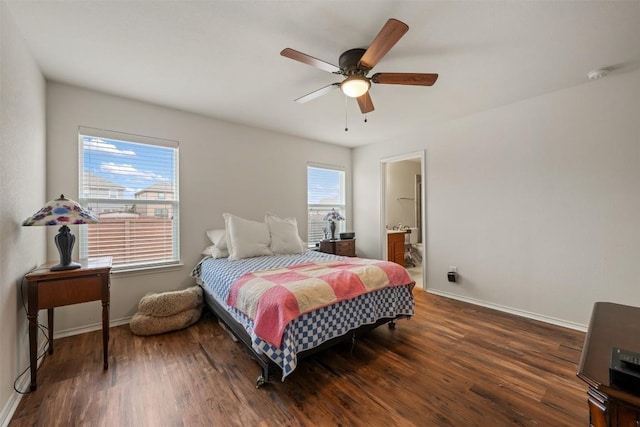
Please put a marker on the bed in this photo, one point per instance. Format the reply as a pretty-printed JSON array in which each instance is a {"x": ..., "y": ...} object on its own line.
[{"x": 312, "y": 330}]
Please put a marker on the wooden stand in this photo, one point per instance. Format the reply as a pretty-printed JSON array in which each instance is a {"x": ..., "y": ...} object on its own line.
[
  {"x": 49, "y": 289},
  {"x": 339, "y": 247},
  {"x": 611, "y": 325}
]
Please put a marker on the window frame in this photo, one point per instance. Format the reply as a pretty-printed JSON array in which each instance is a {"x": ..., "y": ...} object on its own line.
[
  {"x": 175, "y": 202},
  {"x": 326, "y": 207}
]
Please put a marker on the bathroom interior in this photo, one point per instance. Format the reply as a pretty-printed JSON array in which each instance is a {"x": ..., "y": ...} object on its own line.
[{"x": 403, "y": 211}]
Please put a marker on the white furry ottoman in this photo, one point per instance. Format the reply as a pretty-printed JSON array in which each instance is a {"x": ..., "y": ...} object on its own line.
[{"x": 167, "y": 311}]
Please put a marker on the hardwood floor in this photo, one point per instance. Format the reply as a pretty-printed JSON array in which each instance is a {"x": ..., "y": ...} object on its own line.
[{"x": 452, "y": 364}]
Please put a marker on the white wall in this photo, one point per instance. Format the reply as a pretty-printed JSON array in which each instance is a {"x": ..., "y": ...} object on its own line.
[
  {"x": 223, "y": 168},
  {"x": 22, "y": 169},
  {"x": 537, "y": 203}
]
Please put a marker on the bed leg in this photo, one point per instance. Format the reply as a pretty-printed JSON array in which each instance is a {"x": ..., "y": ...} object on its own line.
[
  {"x": 267, "y": 375},
  {"x": 353, "y": 343}
]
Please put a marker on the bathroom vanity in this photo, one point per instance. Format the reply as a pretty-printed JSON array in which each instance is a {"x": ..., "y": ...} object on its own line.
[{"x": 395, "y": 246}]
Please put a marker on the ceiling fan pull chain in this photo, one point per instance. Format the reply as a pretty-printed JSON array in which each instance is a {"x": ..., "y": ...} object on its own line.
[
  {"x": 366, "y": 101},
  {"x": 346, "y": 124}
]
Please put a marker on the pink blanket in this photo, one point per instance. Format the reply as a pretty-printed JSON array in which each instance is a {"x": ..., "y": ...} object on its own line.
[{"x": 272, "y": 298}]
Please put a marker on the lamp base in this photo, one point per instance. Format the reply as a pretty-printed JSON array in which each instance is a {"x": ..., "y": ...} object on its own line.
[
  {"x": 64, "y": 242},
  {"x": 61, "y": 267}
]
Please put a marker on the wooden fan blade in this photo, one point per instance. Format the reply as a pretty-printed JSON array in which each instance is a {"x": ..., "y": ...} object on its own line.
[
  {"x": 316, "y": 93},
  {"x": 388, "y": 36},
  {"x": 416, "y": 79},
  {"x": 310, "y": 60},
  {"x": 365, "y": 103}
]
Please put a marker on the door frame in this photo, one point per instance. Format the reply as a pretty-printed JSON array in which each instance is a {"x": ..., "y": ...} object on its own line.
[{"x": 383, "y": 200}]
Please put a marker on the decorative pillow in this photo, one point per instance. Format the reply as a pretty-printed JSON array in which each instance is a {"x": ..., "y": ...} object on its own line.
[
  {"x": 216, "y": 237},
  {"x": 284, "y": 235},
  {"x": 219, "y": 240},
  {"x": 209, "y": 250},
  {"x": 246, "y": 238}
]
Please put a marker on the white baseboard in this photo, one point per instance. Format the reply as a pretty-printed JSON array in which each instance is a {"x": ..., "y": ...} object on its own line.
[
  {"x": 90, "y": 328},
  {"x": 12, "y": 404},
  {"x": 522, "y": 313}
]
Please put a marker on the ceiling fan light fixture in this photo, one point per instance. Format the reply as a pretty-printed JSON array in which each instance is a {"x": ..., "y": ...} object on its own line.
[{"x": 355, "y": 86}]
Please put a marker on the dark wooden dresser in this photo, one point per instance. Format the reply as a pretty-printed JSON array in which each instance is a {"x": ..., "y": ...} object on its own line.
[
  {"x": 611, "y": 325},
  {"x": 339, "y": 247}
]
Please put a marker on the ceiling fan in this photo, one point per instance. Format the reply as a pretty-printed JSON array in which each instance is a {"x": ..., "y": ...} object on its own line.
[{"x": 355, "y": 64}]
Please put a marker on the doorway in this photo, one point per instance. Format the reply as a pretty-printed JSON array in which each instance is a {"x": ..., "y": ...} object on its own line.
[{"x": 402, "y": 210}]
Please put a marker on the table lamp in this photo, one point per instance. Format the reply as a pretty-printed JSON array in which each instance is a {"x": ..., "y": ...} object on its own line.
[
  {"x": 333, "y": 216},
  {"x": 62, "y": 211}
]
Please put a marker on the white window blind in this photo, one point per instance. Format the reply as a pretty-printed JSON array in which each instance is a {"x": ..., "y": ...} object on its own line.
[
  {"x": 130, "y": 183},
  {"x": 325, "y": 191}
]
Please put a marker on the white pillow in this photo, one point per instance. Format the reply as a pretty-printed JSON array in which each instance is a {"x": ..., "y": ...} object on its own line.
[
  {"x": 219, "y": 240},
  {"x": 284, "y": 235},
  {"x": 209, "y": 250},
  {"x": 215, "y": 236},
  {"x": 219, "y": 253},
  {"x": 246, "y": 238}
]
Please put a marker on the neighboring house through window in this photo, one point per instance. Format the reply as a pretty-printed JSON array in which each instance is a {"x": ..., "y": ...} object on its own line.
[
  {"x": 325, "y": 191},
  {"x": 130, "y": 183}
]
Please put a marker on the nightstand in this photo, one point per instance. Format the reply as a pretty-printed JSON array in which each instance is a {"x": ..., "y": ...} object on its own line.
[
  {"x": 49, "y": 289},
  {"x": 339, "y": 247}
]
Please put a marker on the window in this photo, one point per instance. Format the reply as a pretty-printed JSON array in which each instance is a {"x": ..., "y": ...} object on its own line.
[
  {"x": 325, "y": 191},
  {"x": 120, "y": 180}
]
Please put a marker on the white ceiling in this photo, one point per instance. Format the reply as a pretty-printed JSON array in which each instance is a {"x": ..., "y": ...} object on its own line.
[{"x": 221, "y": 58}]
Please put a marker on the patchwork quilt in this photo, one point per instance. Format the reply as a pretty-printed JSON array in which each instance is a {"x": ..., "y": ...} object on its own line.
[{"x": 273, "y": 298}]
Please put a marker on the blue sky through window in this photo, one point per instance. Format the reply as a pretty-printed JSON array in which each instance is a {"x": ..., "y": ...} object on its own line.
[
  {"x": 325, "y": 186},
  {"x": 129, "y": 165}
]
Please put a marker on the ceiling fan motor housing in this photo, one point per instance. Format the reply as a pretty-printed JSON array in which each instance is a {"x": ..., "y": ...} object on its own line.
[{"x": 348, "y": 62}]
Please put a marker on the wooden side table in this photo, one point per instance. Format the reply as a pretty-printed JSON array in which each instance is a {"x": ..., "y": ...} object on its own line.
[
  {"x": 49, "y": 289},
  {"x": 339, "y": 247},
  {"x": 611, "y": 325}
]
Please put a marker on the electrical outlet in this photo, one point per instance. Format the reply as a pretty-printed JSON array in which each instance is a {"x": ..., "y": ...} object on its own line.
[{"x": 453, "y": 269}]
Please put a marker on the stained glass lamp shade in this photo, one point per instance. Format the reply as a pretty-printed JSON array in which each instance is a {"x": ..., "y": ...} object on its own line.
[{"x": 62, "y": 212}]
